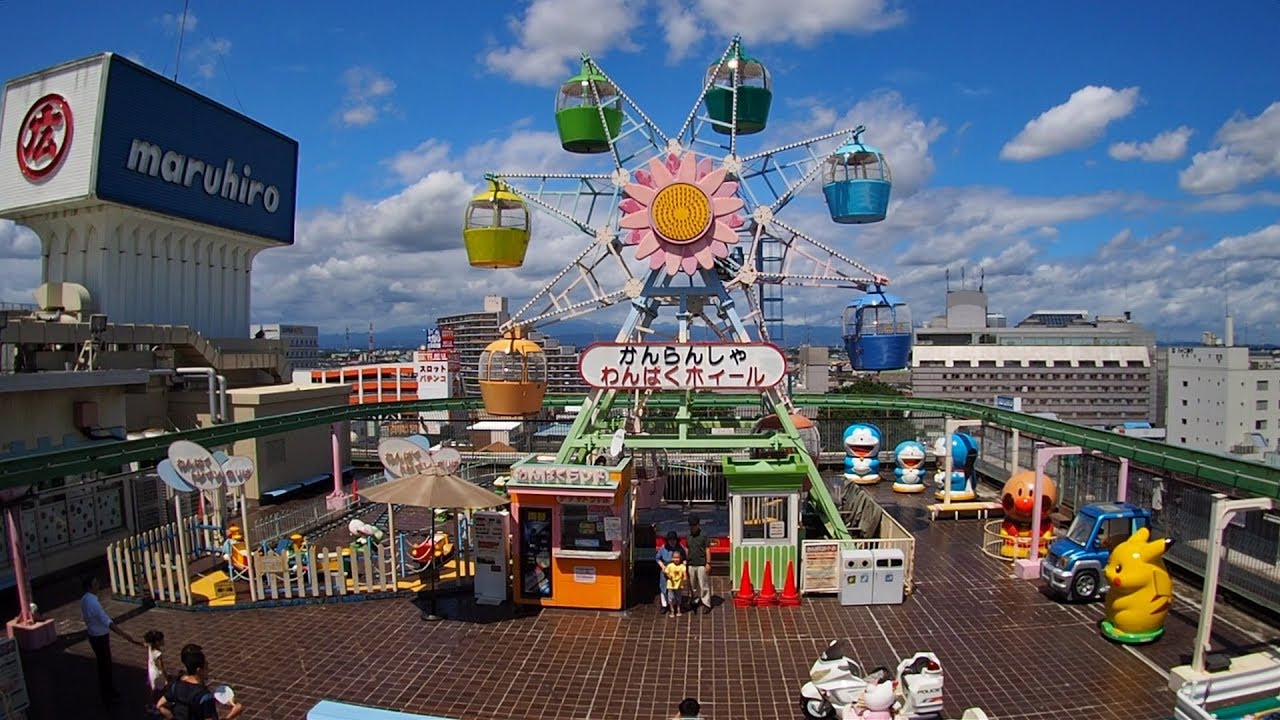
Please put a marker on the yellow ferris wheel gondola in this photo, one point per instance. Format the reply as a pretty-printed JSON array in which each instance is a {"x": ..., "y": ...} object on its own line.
[
  {"x": 496, "y": 229},
  {"x": 513, "y": 375}
]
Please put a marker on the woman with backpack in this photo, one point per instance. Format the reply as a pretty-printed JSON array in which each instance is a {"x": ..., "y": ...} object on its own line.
[{"x": 188, "y": 697}]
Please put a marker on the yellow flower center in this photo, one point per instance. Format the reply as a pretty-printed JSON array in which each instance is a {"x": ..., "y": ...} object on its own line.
[{"x": 681, "y": 213}]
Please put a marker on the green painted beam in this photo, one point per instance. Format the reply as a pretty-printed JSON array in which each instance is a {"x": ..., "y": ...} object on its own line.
[{"x": 1242, "y": 477}]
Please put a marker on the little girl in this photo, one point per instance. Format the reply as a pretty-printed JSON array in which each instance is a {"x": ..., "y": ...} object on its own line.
[
  {"x": 157, "y": 679},
  {"x": 676, "y": 573}
]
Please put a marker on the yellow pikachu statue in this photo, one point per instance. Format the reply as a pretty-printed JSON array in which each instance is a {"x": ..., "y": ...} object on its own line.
[{"x": 1141, "y": 592}]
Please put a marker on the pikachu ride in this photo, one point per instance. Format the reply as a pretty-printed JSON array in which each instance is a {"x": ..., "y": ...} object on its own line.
[{"x": 1141, "y": 591}]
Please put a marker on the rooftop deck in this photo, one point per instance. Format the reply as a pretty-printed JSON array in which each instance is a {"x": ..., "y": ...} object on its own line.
[{"x": 1005, "y": 647}]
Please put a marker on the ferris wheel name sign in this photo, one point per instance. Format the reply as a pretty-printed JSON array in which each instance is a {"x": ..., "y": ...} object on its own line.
[{"x": 682, "y": 366}]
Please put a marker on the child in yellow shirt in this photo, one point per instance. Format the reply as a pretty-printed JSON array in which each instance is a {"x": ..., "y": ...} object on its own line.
[{"x": 677, "y": 573}]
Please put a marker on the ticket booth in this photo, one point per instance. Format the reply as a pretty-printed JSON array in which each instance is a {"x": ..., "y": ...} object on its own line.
[
  {"x": 764, "y": 516},
  {"x": 572, "y": 527}
]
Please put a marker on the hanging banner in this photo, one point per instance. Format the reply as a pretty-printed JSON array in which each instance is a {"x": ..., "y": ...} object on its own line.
[{"x": 682, "y": 366}]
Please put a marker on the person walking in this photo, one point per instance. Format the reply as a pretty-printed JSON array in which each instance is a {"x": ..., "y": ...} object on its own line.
[
  {"x": 98, "y": 626},
  {"x": 699, "y": 567}
]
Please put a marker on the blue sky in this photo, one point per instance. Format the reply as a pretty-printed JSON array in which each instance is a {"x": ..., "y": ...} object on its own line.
[{"x": 1103, "y": 157}]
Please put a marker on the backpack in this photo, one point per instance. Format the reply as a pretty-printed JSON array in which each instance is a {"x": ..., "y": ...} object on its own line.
[{"x": 188, "y": 701}]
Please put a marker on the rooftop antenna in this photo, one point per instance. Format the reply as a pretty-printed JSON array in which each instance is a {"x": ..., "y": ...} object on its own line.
[
  {"x": 348, "y": 338},
  {"x": 948, "y": 271},
  {"x": 182, "y": 30},
  {"x": 370, "y": 336},
  {"x": 963, "y": 286},
  {"x": 982, "y": 279}
]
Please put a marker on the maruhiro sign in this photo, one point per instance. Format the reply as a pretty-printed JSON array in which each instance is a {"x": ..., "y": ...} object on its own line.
[
  {"x": 682, "y": 366},
  {"x": 162, "y": 147},
  {"x": 44, "y": 136}
]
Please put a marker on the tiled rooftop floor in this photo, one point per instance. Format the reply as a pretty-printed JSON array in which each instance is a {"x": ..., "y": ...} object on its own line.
[{"x": 1005, "y": 647}]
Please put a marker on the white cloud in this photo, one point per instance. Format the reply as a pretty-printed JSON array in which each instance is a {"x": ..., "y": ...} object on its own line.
[
  {"x": 799, "y": 21},
  {"x": 893, "y": 126},
  {"x": 1076, "y": 123},
  {"x": 1165, "y": 147},
  {"x": 19, "y": 263},
  {"x": 207, "y": 55},
  {"x": 681, "y": 26},
  {"x": 172, "y": 22},
  {"x": 367, "y": 96},
  {"x": 1246, "y": 150},
  {"x": 553, "y": 33}
]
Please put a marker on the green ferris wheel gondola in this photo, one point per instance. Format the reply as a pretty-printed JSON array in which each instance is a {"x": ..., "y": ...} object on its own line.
[
  {"x": 755, "y": 94},
  {"x": 588, "y": 112}
]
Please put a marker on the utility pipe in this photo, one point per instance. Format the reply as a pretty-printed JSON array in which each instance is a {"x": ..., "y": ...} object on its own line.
[
  {"x": 222, "y": 400},
  {"x": 212, "y": 376}
]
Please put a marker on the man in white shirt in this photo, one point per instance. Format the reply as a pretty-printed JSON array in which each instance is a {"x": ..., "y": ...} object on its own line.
[{"x": 98, "y": 625}]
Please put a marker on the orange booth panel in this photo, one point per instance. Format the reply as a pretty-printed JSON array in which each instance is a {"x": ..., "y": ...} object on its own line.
[{"x": 571, "y": 539}]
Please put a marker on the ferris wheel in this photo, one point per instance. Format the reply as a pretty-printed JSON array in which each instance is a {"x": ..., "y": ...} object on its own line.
[{"x": 691, "y": 222}]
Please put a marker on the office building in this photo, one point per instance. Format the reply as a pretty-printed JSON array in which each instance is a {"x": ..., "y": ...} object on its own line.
[
  {"x": 301, "y": 342},
  {"x": 1225, "y": 399},
  {"x": 472, "y": 332},
  {"x": 1095, "y": 371}
]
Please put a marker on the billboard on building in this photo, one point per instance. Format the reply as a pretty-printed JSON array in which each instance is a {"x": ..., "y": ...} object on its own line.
[
  {"x": 47, "y": 130},
  {"x": 106, "y": 127}
]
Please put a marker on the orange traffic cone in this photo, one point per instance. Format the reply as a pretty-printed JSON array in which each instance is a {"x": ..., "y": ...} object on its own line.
[
  {"x": 768, "y": 593},
  {"x": 746, "y": 596},
  {"x": 789, "y": 598}
]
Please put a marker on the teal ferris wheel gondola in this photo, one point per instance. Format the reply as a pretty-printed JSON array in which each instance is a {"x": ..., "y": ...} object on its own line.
[
  {"x": 754, "y": 90},
  {"x": 856, "y": 183},
  {"x": 877, "y": 332}
]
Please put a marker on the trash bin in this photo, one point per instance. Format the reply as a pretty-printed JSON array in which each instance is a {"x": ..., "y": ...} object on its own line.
[
  {"x": 890, "y": 583},
  {"x": 856, "y": 577}
]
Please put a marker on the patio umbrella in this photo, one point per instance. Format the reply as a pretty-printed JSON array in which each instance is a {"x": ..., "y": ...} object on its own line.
[{"x": 434, "y": 488}]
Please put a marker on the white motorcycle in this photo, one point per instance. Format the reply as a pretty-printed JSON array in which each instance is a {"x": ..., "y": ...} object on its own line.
[{"x": 837, "y": 682}]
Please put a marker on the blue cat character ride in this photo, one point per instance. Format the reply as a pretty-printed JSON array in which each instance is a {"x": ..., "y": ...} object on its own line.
[
  {"x": 862, "y": 454},
  {"x": 909, "y": 476},
  {"x": 964, "y": 459}
]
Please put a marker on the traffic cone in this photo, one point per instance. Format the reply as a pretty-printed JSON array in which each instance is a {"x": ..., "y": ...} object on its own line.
[
  {"x": 746, "y": 596},
  {"x": 789, "y": 598},
  {"x": 768, "y": 593}
]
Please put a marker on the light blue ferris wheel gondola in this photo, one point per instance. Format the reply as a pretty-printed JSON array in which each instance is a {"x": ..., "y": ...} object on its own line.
[
  {"x": 856, "y": 183},
  {"x": 877, "y": 331}
]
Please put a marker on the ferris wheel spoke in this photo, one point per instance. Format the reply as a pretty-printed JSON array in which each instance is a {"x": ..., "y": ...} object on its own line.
[
  {"x": 786, "y": 170},
  {"x": 688, "y": 126},
  {"x": 650, "y": 124},
  {"x": 823, "y": 267},
  {"x": 574, "y": 199}
]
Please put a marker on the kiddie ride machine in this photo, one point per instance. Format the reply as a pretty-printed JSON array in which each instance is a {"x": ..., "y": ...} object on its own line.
[
  {"x": 964, "y": 459},
  {"x": 908, "y": 476},
  {"x": 862, "y": 454},
  {"x": 839, "y": 688},
  {"x": 686, "y": 225},
  {"x": 1018, "y": 499}
]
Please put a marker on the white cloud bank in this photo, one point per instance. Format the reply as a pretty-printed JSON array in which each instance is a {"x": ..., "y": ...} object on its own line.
[{"x": 1077, "y": 123}]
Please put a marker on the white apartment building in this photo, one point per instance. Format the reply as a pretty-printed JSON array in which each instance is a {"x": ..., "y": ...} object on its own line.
[
  {"x": 472, "y": 332},
  {"x": 1224, "y": 399},
  {"x": 302, "y": 342}
]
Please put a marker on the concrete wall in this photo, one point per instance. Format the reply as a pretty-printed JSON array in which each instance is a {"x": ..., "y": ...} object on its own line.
[
  {"x": 287, "y": 458},
  {"x": 45, "y": 418}
]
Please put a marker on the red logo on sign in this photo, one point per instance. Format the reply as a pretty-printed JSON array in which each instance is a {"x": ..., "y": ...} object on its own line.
[{"x": 44, "y": 136}]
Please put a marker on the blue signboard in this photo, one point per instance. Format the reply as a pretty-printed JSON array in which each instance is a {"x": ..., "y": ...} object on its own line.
[{"x": 165, "y": 148}]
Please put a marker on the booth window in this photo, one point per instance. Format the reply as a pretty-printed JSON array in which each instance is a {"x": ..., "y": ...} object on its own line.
[
  {"x": 765, "y": 517},
  {"x": 582, "y": 528}
]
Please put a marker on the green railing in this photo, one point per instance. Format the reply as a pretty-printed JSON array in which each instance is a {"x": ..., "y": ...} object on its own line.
[{"x": 1232, "y": 475}]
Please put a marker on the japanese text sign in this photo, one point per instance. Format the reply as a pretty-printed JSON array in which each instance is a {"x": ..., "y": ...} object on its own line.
[
  {"x": 682, "y": 366},
  {"x": 575, "y": 475}
]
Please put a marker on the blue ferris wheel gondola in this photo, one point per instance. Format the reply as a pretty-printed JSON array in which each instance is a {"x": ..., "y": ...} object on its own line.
[
  {"x": 856, "y": 183},
  {"x": 877, "y": 332}
]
